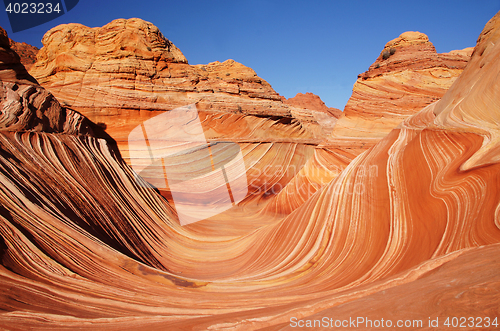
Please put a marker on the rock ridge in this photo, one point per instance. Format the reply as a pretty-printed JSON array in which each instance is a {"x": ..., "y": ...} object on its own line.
[
  {"x": 26, "y": 106},
  {"x": 26, "y": 52}
]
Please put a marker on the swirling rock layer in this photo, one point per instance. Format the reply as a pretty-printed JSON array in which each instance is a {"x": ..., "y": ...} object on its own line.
[
  {"x": 119, "y": 83},
  {"x": 84, "y": 244},
  {"x": 27, "y": 106},
  {"x": 407, "y": 76},
  {"x": 126, "y": 72}
]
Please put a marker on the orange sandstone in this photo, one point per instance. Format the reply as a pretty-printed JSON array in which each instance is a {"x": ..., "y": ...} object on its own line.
[{"x": 83, "y": 245}]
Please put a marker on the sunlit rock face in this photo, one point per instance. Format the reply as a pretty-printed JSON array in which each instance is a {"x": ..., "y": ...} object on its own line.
[
  {"x": 126, "y": 72},
  {"x": 407, "y": 76},
  {"x": 410, "y": 229},
  {"x": 311, "y": 101},
  {"x": 26, "y": 52}
]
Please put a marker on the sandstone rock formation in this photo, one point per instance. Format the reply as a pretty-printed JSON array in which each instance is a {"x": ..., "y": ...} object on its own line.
[
  {"x": 25, "y": 105},
  {"x": 126, "y": 72},
  {"x": 84, "y": 244},
  {"x": 127, "y": 69},
  {"x": 26, "y": 52},
  {"x": 121, "y": 82},
  {"x": 312, "y": 101},
  {"x": 407, "y": 76}
]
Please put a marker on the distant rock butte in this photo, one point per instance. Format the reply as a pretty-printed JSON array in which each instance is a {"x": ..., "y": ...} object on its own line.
[
  {"x": 312, "y": 101},
  {"x": 407, "y": 76},
  {"x": 26, "y": 106}
]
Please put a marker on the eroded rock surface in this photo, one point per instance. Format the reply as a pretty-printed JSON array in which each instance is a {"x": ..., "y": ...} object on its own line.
[
  {"x": 411, "y": 226},
  {"x": 126, "y": 72},
  {"x": 407, "y": 76},
  {"x": 26, "y": 52},
  {"x": 127, "y": 66},
  {"x": 314, "y": 102},
  {"x": 25, "y": 105}
]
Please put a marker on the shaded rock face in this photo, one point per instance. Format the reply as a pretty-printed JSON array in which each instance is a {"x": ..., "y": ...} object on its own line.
[
  {"x": 10, "y": 63},
  {"x": 26, "y": 52},
  {"x": 407, "y": 76},
  {"x": 26, "y": 106},
  {"x": 312, "y": 101},
  {"x": 126, "y": 72},
  {"x": 411, "y": 229}
]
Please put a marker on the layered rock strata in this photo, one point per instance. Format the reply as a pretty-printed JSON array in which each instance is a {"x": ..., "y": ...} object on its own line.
[
  {"x": 407, "y": 76},
  {"x": 127, "y": 72},
  {"x": 26, "y": 106},
  {"x": 85, "y": 245},
  {"x": 26, "y": 52},
  {"x": 312, "y": 101}
]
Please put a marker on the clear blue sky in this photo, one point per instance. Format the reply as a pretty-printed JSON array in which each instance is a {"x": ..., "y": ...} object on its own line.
[{"x": 297, "y": 46}]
